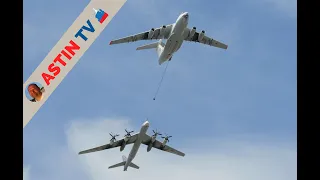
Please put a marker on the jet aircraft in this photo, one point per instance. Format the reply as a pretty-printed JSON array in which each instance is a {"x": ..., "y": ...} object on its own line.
[
  {"x": 136, "y": 139},
  {"x": 175, "y": 34}
]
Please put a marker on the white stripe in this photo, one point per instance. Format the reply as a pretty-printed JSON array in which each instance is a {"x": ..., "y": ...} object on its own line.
[{"x": 111, "y": 7}]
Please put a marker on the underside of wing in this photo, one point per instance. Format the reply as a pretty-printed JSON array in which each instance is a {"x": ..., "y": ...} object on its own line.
[
  {"x": 193, "y": 36},
  {"x": 158, "y": 145},
  {"x": 118, "y": 143},
  {"x": 100, "y": 148},
  {"x": 162, "y": 32}
]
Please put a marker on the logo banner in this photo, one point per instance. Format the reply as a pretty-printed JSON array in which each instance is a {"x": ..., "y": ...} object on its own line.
[{"x": 66, "y": 53}]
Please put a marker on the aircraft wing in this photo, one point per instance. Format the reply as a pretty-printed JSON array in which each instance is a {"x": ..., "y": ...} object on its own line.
[
  {"x": 145, "y": 35},
  {"x": 205, "y": 40},
  {"x": 118, "y": 143},
  {"x": 158, "y": 145}
]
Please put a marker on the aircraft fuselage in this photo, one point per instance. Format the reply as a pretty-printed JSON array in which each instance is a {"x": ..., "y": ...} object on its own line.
[
  {"x": 136, "y": 144},
  {"x": 175, "y": 39}
]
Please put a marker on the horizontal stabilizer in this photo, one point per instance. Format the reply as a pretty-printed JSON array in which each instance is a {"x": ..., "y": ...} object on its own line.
[
  {"x": 124, "y": 160},
  {"x": 117, "y": 165},
  {"x": 134, "y": 166},
  {"x": 123, "y": 163},
  {"x": 149, "y": 46}
]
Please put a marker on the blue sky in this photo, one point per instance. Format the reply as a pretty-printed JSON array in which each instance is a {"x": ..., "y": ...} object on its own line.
[{"x": 209, "y": 98}]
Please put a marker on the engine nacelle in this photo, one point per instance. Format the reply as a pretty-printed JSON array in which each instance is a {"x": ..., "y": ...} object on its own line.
[
  {"x": 201, "y": 35},
  {"x": 126, "y": 138},
  {"x": 111, "y": 142},
  {"x": 151, "y": 32},
  {"x": 123, "y": 145},
  {"x": 164, "y": 142},
  {"x": 192, "y": 31},
  {"x": 162, "y": 30},
  {"x": 153, "y": 139},
  {"x": 149, "y": 147}
]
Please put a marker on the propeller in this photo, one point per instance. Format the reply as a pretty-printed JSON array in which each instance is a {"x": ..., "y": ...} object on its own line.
[
  {"x": 113, "y": 136},
  {"x": 166, "y": 137},
  {"x": 128, "y": 132},
  {"x": 156, "y": 132}
]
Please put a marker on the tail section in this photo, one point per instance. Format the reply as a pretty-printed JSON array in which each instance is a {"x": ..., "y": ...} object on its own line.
[
  {"x": 124, "y": 160},
  {"x": 148, "y": 46},
  {"x": 159, "y": 46},
  {"x": 134, "y": 166},
  {"x": 117, "y": 165}
]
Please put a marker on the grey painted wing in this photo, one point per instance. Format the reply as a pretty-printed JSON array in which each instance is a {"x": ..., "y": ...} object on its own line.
[
  {"x": 205, "y": 40},
  {"x": 118, "y": 143},
  {"x": 158, "y": 145},
  {"x": 144, "y": 36}
]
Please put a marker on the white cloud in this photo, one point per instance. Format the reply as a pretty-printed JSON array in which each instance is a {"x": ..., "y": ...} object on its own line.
[
  {"x": 26, "y": 172},
  {"x": 233, "y": 160}
]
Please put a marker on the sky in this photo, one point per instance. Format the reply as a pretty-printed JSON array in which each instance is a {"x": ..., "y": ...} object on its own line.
[{"x": 233, "y": 112}]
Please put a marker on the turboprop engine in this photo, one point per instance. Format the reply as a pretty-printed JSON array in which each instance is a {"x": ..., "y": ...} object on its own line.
[
  {"x": 201, "y": 35},
  {"x": 113, "y": 138},
  {"x": 125, "y": 139},
  {"x": 153, "y": 139},
  {"x": 166, "y": 139}
]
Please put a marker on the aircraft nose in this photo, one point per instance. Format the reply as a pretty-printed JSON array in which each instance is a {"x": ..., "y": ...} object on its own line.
[
  {"x": 146, "y": 123},
  {"x": 186, "y": 15}
]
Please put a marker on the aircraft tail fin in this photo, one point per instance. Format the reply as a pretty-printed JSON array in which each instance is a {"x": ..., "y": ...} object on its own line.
[
  {"x": 159, "y": 46},
  {"x": 124, "y": 160}
]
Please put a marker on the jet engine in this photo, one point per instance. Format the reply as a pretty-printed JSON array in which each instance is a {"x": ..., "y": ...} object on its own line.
[
  {"x": 151, "y": 32},
  {"x": 162, "y": 30},
  {"x": 201, "y": 35},
  {"x": 192, "y": 31}
]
